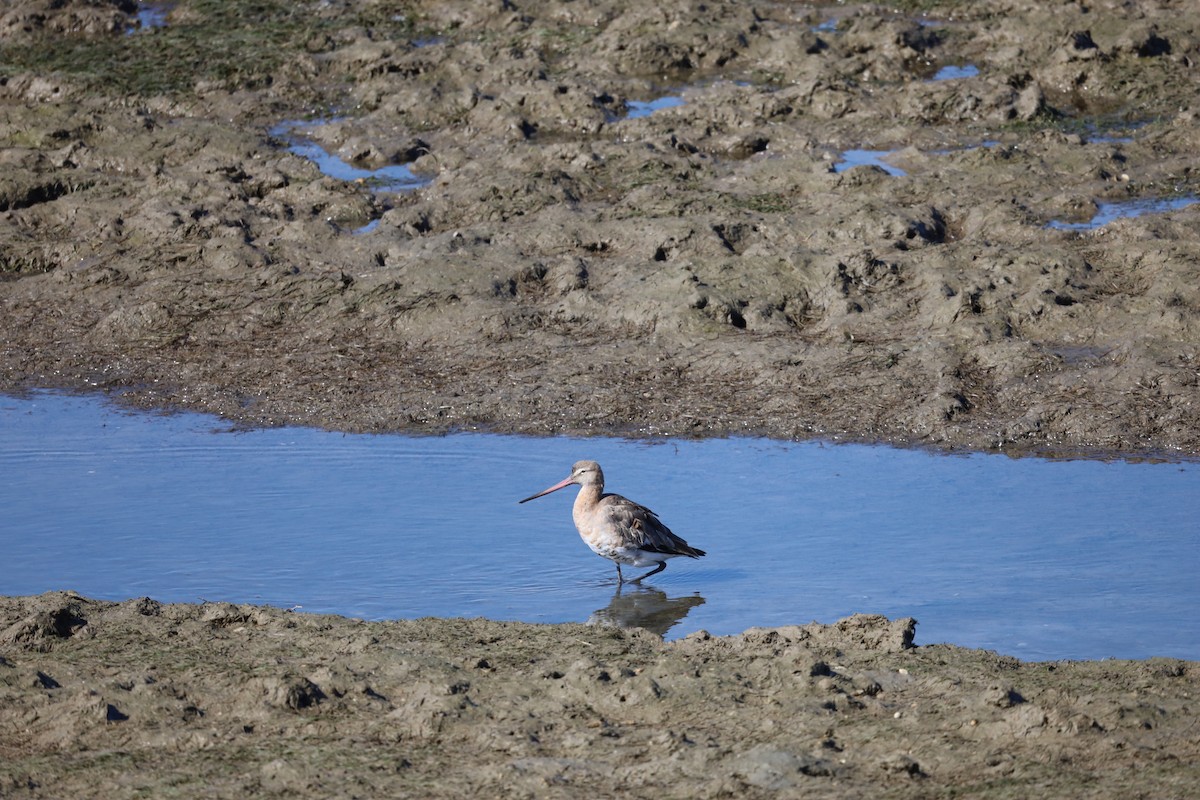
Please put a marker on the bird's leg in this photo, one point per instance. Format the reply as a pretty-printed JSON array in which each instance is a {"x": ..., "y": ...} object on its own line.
[
  {"x": 620, "y": 577},
  {"x": 661, "y": 566}
]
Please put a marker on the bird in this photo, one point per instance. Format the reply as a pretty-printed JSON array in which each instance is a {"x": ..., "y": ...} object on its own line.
[{"x": 617, "y": 528}]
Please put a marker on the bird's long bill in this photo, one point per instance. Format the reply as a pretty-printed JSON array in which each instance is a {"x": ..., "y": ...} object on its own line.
[{"x": 560, "y": 485}]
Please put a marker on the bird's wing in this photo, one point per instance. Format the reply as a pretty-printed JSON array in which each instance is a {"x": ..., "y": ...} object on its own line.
[{"x": 643, "y": 528}]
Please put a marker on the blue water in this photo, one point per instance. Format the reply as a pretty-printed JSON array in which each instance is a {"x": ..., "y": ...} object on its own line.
[
  {"x": 1109, "y": 212},
  {"x": 644, "y": 108},
  {"x": 151, "y": 15},
  {"x": 390, "y": 178},
  {"x": 955, "y": 72},
  {"x": 859, "y": 158},
  {"x": 1034, "y": 558}
]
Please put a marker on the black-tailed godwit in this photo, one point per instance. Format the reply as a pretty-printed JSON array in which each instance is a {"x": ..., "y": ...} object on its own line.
[{"x": 617, "y": 528}]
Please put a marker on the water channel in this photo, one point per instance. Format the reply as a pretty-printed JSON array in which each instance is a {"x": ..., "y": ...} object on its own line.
[{"x": 1041, "y": 559}]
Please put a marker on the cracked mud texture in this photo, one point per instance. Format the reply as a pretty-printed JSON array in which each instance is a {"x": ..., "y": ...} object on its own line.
[
  {"x": 704, "y": 270},
  {"x": 699, "y": 271}
]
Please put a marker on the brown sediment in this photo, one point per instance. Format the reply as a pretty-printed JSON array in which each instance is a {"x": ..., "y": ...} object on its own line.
[
  {"x": 699, "y": 271},
  {"x": 141, "y": 698}
]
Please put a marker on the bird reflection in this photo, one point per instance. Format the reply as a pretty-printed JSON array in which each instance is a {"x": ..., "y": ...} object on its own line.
[{"x": 644, "y": 607}]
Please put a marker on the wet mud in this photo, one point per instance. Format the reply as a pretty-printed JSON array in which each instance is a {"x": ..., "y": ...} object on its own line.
[
  {"x": 631, "y": 219},
  {"x": 704, "y": 265},
  {"x": 139, "y": 698}
]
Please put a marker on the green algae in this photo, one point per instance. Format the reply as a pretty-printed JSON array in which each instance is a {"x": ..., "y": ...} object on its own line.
[{"x": 239, "y": 44}]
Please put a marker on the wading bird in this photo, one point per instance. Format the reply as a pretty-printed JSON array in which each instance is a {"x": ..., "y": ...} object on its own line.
[{"x": 619, "y": 529}]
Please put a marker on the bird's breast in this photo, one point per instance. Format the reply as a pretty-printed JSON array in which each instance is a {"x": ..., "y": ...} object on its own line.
[{"x": 600, "y": 535}]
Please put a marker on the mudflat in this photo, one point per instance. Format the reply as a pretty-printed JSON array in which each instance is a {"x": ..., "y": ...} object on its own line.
[
  {"x": 138, "y": 699},
  {"x": 570, "y": 268},
  {"x": 567, "y": 266}
]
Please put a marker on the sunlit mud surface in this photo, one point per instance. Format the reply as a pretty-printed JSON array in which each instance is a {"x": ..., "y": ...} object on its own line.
[{"x": 622, "y": 220}]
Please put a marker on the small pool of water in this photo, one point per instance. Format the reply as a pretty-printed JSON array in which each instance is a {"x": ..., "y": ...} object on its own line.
[
  {"x": 1034, "y": 558},
  {"x": 391, "y": 178},
  {"x": 644, "y": 108},
  {"x": 1109, "y": 212},
  {"x": 151, "y": 15},
  {"x": 953, "y": 72},
  {"x": 860, "y": 158}
]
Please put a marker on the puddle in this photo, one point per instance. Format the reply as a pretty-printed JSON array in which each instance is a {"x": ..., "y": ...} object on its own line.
[
  {"x": 150, "y": 16},
  {"x": 392, "y": 178},
  {"x": 860, "y": 158},
  {"x": 639, "y": 108},
  {"x": 1113, "y": 132},
  {"x": 1034, "y": 558},
  {"x": 878, "y": 158},
  {"x": 1109, "y": 212},
  {"x": 952, "y": 72}
]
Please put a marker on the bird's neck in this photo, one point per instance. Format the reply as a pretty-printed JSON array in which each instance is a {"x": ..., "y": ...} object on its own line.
[{"x": 587, "y": 498}]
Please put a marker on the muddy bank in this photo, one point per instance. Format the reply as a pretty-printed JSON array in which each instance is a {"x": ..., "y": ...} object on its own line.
[
  {"x": 135, "y": 698},
  {"x": 705, "y": 269}
]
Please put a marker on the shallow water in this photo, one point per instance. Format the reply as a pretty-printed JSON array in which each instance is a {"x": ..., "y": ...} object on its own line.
[
  {"x": 860, "y": 158},
  {"x": 1038, "y": 559},
  {"x": 644, "y": 108},
  {"x": 390, "y": 178},
  {"x": 151, "y": 15},
  {"x": 1109, "y": 212},
  {"x": 954, "y": 72}
]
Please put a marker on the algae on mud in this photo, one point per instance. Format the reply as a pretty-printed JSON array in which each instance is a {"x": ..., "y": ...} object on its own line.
[{"x": 244, "y": 44}]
